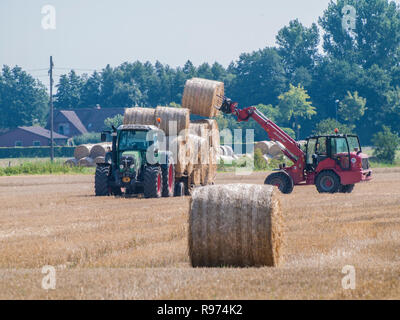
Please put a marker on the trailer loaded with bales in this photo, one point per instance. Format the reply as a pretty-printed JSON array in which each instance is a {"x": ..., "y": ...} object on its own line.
[{"x": 159, "y": 152}]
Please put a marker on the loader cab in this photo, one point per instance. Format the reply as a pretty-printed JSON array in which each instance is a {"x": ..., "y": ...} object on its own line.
[{"x": 336, "y": 147}]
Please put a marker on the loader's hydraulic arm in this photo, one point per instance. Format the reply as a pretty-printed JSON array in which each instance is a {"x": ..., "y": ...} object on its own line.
[{"x": 291, "y": 148}]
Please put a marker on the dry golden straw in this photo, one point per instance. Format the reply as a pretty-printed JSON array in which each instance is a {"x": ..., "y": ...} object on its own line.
[
  {"x": 82, "y": 151},
  {"x": 173, "y": 117},
  {"x": 201, "y": 96},
  {"x": 236, "y": 225},
  {"x": 138, "y": 115}
]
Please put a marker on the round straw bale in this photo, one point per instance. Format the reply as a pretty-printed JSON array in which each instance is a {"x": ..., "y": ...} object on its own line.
[
  {"x": 264, "y": 146},
  {"x": 201, "y": 96},
  {"x": 82, "y": 151},
  {"x": 138, "y": 115},
  {"x": 174, "y": 121},
  {"x": 213, "y": 131},
  {"x": 274, "y": 150},
  {"x": 181, "y": 153},
  {"x": 100, "y": 150},
  {"x": 235, "y": 225},
  {"x": 86, "y": 162},
  {"x": 71, "y": 162}
]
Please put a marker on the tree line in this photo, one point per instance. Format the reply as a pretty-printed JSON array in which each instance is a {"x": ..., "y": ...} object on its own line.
[{"x": 349, "y": 80}]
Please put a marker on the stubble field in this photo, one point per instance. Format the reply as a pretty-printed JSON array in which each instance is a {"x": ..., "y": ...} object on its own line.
[{"x": 118, "y": 248}]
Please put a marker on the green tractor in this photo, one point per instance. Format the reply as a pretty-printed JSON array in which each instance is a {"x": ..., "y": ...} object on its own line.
[{"x": 136, "y": 165}]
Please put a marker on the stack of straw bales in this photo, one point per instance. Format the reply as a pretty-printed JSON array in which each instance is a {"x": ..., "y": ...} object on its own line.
[
  {"x": 88, "y": 155},
  {"x": 235, "y": 225},
  {"x": 269, "y": 149},
  {"x": 201, "y": 96}
]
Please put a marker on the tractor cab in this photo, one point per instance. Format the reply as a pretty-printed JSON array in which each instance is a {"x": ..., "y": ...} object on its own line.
[{"x": 344, "y": 150}]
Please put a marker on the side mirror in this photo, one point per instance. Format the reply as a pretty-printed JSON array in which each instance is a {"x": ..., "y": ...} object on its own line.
[{"x": 103, "y": 137}]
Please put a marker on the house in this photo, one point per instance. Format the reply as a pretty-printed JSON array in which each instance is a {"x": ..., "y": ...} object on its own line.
[
  {"x": 30, "y": 137},
  {"x": 79, "y": 121}
]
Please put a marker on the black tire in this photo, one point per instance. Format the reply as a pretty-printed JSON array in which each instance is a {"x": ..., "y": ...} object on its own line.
[
  {"x": 168, "y": 178},
  {"x": 327, "y": 182},
  {"x": 152, "y": 183},
  {"x": 101, "y": 185},
  {"x": 180, "y": 189},
  {"x": 282, "y": 181},
  {"x": 346, "y": 189}
]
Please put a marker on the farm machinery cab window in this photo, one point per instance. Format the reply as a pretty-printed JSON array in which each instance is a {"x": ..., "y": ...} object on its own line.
[{"x": 133, "y": 140}]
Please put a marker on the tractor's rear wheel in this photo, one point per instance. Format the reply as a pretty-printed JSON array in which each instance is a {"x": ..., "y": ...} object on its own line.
[
  {"x": 153, "y": 182},
  {"x": 168, "y": 177},
  {"x": 282, "y": 181},
  {"x": 101, "y": 185},
  {"x": 327, "y": 182},
  {"x": 346, "y": 189}
]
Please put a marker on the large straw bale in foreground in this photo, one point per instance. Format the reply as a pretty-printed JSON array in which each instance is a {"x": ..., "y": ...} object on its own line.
[
  {"x": 171, "y": 117},
  {"x": 235, "y": 225},
  {"x": 201, "y": 96},
  {"x": 82, "y": 151},
  {"x": 138, "y": 115}
]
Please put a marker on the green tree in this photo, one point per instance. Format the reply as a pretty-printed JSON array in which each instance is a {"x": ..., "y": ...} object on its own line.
[
  {"x": 295, "y": 105},
  {"x": 114, "y": 121},
  {"x": 69, "y": 91},
  {"x": 259, "y": 78},
  {"x": 23, "y": 100},
  {"x": 386, "y": 143},
  {"x": 298, "y": 45},
  {"x": 352, "y": 108},
  {"x": 259, "y": 161},
  {"x": 328, "y": 126},
  {"x": 375, "y": 39}
]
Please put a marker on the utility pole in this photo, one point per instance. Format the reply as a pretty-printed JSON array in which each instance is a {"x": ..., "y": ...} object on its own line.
[{"x": 51, "y": 110}]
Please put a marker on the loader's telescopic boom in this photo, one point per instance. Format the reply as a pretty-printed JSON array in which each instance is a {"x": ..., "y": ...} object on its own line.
[{"x": 289, "y": 146}]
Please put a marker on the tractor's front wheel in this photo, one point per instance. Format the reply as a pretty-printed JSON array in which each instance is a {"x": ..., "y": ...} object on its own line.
[
  {"x": 327, "y": 182},
  {"x": 153, "y": 182},
  {"x": 282, "y": 181},
  {"x": 101, "y": 185},
  {"x": 168, "y": 177}
]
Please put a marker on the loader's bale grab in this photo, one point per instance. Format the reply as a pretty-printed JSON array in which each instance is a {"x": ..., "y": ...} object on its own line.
[
  {"x": 235, "y": 225},
  {"x": 201, "y": 96}
]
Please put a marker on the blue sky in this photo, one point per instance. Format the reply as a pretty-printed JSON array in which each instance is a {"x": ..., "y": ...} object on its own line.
[{"x": 91, "y": 33}]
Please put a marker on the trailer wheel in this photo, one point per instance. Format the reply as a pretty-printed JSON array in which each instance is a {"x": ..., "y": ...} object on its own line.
[
  {"x": 327, "y": 182},
  {"x": 101, "y": 186},
  {"x": 152, "y": 184},
  {"x": 168, "y": 177},
  {"x": 180, "y": 189},
  {"x": 346, "y": 189},
  {"x": 282, "y": 181}
]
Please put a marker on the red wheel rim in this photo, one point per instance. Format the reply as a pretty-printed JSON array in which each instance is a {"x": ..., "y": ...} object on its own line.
[
  {"x": 159, "y": 183},
  {"x": 170, "y": 177},
  {"x": 328, "y": 183}
]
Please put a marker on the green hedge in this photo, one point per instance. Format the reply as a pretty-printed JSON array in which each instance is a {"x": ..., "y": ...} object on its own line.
[{"x": 36, "y": 152}]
